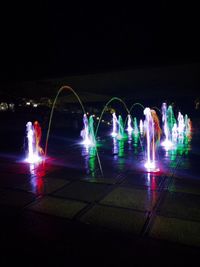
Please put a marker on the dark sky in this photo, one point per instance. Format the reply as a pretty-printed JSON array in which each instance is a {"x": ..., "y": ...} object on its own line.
[{"x": 40, "y": 40}]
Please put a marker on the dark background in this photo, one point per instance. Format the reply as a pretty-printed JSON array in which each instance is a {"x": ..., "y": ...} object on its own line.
[{"x": 43, "y": 40}]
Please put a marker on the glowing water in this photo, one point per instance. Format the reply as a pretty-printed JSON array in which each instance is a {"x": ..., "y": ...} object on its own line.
[
  {"x": 183, "y": 129},
  {"x": 170, "y": 119},
  {"x": 129, "y": 116},
  {"x": 129, "y": 128},
  {"x": 91, "y": 131},
  {"x": 33, "y": 137},
  {"x": 174, "y": 132},
  {"x": 136, "y": 104},
  {"x": 114, "y": 123},
  {"x": 188, "y": 125},
  {"x": 85, "y": 131},
  {"x": 166, "y": 143},
  {"x": 30, "y": 137},
  {"x": 38, "y": 134},
  {"x": 141, "y": 126},
  {"x": 68, "y": 88},
  {"x": 164, "y": 120},
  {"x": 88, "y": 131},
  {"x": 135, "y": 126},
  {"x": 149, "y": 127},
  {"x": 120, "y": 128},
  {"x": 181, "y": 125},
  {"x": 89, "y": 135},
  {"x": 106, "y": 106}
]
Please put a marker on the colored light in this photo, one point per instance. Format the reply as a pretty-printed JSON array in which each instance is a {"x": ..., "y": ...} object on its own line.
[{"x": 33, "y": 137}]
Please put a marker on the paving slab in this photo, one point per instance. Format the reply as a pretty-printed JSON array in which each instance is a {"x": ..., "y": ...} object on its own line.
[
  {"x": 58, "y": 207},
  {"x": 15, "y": 198},
  {"x": 83, "y": 191},
  {"x": 176, "y": 230},
  {"x": 44, "y": 186},
  {"x": 147, "y": 179},
  {"x": 65, "y": 173},
  {"x": 102, "y": 180},
  {"x": 12, "y": 180},
  {"x": 180, "y": 205},
  {"x": 115, "y": 218},
  {"x": 131, "y": 198},
  {"x": 185, "y": 186}
]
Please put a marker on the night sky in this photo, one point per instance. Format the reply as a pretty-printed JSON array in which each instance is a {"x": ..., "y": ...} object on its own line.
[{"x": 42, "y": 40}]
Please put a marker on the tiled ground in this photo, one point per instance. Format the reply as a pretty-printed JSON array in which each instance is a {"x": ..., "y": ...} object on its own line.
[
  {"x": 161, "y": 207},
  {"x": 125, "y": 206}
]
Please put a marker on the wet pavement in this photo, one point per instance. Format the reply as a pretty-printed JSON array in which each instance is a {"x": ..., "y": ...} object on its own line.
[{"x": 67, "y": 212}]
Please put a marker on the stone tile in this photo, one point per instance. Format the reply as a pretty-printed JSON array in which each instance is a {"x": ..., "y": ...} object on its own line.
[
  {"x": 46, "y": 185},
  {"x": 181, "y": 205},
  {"x": 185, "y": 186},
  {"x": 12, "y": 180},
  {"x": 14, "y": 198},
  {"x": 176, "y": 230},
  {"x": 83, "y": 191},
  {"x": 131, "y": 198},
  {"x": 58, "y": 207},
  {"x": 115, "y": 218},
  {"x": 147, "y": 179},
  {"x": 101, "y": 180},
  {"x": 68, "y": 174}
]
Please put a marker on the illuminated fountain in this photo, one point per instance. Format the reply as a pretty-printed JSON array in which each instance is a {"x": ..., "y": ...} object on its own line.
[
  {"x": 85, "y": 131},
  {"x": 171, "y": 120},
  {"x": 121, "y": 134},
  {"x": 91, "y": 131},
  {"x": 135, "y": 126},
  {"x": 167, "y": 142},
  {"x": 150, "y": 127},
  {"x": 174, "y": 132},
  {"x": 141, "y": 126},
  {"x": 129, "y": 128},
  {"x": 183, "y": 129},
  {"x": 34, "y": 134},
  {"x": 152, "y": 132},
  {"x": 188, "y": 125},
  {"x": 114, "y": 123},
  {"x": 67, "y": 88},
  {"x": 88, "y": 133},
  {"x": 181, "y": 125}
]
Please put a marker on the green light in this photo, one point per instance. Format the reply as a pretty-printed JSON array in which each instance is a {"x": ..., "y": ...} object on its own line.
[
  {"x": 92, "y": 160},
  {"x": 121, "y": 148},
  {"x": 170, "y": 118}
]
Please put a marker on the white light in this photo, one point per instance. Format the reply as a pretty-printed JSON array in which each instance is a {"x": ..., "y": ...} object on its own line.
[
  {"x": 151, "y": 167},
  {"x": 33, "y": 159},
  {"x": 167, "y": 144},
  {"x": 87, "y": 142},
  {"x": 114, "y": 134}
]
